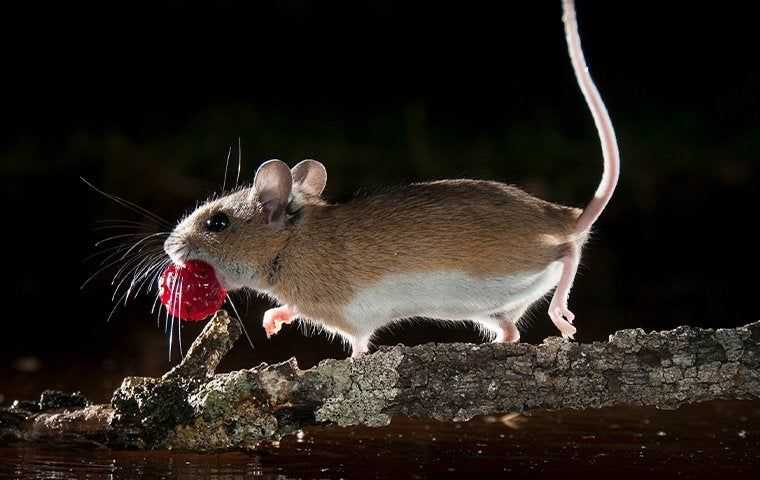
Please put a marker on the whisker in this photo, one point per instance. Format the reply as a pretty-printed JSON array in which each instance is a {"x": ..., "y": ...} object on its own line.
[
  {"x": 116, "y": 305},
  {"x": 145, "y": 278},
  {"x": 104, "y": 251},
  {"x": 166, "y": 317},
  {"x": 242, "y": 326},
  {"x": 157, "y": 275},
  {"x": 117, "y": 237},
  {"x": 173, "y": 297},
  {"x": 240, "y": 161},
  {"x": 134, "y": 264},
  {"x": 119, "y": 226},
  {"x": 171, "y": 339},
  {"x": 158, "y": 295},
  {"x": 124, "y": 221},
  {"x": 153, "y": 235},
  {"x": 117, "y": 251},
  {"x": 152, "y": 261},
  {"x": 179, "y": 322},
  {"x": 140, "y": 273},
  {"x": 160, "y": 305},
  {"x": 107, "y": 263},
  {"x": 129, "y": 265},
  {"x": 99, "y": 271},
  {"x": 99, "y": 225},
  {"x": 167, "y": 307},
  {"x": 176, "y": 298},
  {"x": 127, "y": 204},
  {"x": 148, "y": 239},
  {"x": 226, "y": 164},
  {"x": 155, "y": 302}
]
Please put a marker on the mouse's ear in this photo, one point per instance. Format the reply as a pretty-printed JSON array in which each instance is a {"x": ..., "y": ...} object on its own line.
[
  {"x": 272, "y": 186},
  {"x": 309, "y": 176}
]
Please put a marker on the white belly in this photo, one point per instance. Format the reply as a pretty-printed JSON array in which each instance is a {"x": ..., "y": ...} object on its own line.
[{"x": 447, "y": 295}]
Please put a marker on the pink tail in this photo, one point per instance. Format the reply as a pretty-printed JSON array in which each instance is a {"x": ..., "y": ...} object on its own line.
[{"x": 601, "y": 118}]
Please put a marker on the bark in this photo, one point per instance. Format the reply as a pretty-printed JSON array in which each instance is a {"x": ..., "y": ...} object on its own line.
[{"x": 192, "y": 408}]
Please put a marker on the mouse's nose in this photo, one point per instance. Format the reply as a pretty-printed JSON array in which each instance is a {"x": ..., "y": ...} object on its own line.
[{"x": 177, "y": 249}]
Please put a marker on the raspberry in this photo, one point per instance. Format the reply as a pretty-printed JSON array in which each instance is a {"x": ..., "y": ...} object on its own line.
[{"x": 191, "y": 292}]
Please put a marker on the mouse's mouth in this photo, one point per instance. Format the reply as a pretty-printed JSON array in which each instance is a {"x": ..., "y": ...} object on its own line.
[{"x": 191, "y": 291}]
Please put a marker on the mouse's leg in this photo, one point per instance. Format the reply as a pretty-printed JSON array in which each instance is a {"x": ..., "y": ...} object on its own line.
[
  {"x": 508, "y": 332},
  {"x": 504, "y": 324},
  {"x": 360, "y": 345},
  {"x": 274, "y": 318},
  {"x": 558, "y": 310}
]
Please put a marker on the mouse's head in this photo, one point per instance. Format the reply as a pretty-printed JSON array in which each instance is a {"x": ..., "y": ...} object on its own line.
[{"x": 241, "y": 233}]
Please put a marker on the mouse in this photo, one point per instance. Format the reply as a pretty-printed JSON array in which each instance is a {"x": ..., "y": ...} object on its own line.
[{"x": 448, "y": 250}]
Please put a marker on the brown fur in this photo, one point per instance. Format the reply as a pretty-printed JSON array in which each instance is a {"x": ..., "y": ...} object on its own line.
[{"x": 479, "y": 227}]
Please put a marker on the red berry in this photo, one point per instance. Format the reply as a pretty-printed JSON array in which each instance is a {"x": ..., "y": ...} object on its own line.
[{"x": 191, "y": 292}]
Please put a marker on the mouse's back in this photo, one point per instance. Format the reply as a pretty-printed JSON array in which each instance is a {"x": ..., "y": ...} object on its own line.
[{"x": 481, "y": 228}]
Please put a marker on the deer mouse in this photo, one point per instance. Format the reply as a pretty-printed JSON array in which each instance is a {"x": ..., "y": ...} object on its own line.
[{"x": 451, "y": 250}]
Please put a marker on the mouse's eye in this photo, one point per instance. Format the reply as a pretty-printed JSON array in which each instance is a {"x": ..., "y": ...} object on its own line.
[{"x": 217, "y": 222}]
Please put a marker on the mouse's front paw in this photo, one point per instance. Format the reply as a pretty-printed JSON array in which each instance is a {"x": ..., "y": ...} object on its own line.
[
  {"x": 275, "y": 317},
  {"x": 562, "y": 318}
]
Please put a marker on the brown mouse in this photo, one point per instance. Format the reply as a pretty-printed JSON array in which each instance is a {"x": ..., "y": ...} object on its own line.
[{"x": 450, "y": 250}]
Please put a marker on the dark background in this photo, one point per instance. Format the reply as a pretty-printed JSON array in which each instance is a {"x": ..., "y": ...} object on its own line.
[{"x": 146, "y": 102}]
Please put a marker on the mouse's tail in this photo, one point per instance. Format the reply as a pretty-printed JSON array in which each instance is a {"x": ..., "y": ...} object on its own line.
[{"x": 601, "y": 118}]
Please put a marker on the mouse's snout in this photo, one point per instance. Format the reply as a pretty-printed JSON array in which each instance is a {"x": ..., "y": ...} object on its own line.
[{"x": 177, "y": 248}]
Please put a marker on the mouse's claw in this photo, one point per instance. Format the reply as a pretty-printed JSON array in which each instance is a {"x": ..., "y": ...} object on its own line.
[{"x": 274, "y": 318}]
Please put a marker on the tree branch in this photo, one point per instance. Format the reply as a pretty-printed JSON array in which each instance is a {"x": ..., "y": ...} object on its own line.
[{"x": 190, "y": 408}]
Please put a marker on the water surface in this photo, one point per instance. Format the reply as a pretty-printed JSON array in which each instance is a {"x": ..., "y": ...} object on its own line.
[{"x": 698, "y": 441}]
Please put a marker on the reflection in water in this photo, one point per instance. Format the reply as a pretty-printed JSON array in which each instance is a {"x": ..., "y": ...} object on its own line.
[{"x": 694, "y": 442}]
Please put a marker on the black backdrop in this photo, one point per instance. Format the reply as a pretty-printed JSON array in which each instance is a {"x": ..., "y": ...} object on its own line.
[{"x": 145, "y": 102}]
